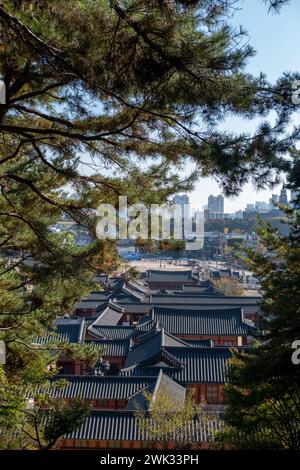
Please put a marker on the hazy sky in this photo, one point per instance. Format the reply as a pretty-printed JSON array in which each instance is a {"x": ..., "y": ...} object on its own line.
[{"x": 276, "y": 39}]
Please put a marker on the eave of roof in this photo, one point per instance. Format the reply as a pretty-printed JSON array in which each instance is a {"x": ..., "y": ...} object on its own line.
[
  {"x": 125, "y": 426},
  {"x": 202, "y": 365},
  {"x": 227, "y": 322},
  {"x": 100, "y": 387},
  {"x": 64, "y": 330}
]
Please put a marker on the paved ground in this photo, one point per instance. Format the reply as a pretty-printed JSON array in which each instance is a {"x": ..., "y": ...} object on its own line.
[{"x": 144, "y": 265}]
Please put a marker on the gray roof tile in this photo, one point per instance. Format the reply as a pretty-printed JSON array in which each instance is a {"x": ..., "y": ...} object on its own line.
[
  {"x": 162, "y": 384},
  {"x": 185, "y": 321},
  {"x": 124, "y": 425},
  {"x": 64, "y": 330},
  {"x": 101, "y": 387},
  {"x": 154, "y": 275},
  {"x": 114, "y": 332},
  {"x": 201, "y": 365},
  {"x": 111, "y": 347},
  {"x": 108, "y": 315},
  {"x": 152, "y": 346}
]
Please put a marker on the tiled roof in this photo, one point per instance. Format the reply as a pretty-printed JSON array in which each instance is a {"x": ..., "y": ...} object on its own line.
[
  {"x": 152, "y": 348},
  {"x": 204, "y": 291},
  {"x": 190, "y": 290},
  {"x": 145, "y": 330},
  {"x": 124, "y": 298},
  {"x": 103, "y": 387},
  {"x": 163, "y": 384},
  {"x": 114, "y": 332},
  {"x": 65, "y": 330},
  {"x": 162, "y": 357},
  {"x": 176, "y": 392},
  {"x": 134, "y": 291},
  {"x": 183, "y": 321},
  {"x": 124, "y": 426},
  {"x": 249, "y": 304},
  {"x": 193, "y": 299},
  {"x": 111, "y": 347},
  {"x": 201, "y": 365},
  {"x": 139, "y": 296},
  {"x": 139, "y": 401},
  {"x": 146, "y": 324},
  {"x": 170, "y": 276},
  {"x": 109, "y": 315},
  {"x": 90, "y": 303},
  {"x": 164, "y": 338},
  {"x": 108, "y": 281},
  {"x": 138, "y": 286},
  {"x": 221, "y": 273}
]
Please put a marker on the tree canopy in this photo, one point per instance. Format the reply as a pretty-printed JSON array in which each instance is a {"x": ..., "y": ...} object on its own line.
[
  {"x": 263, "y": 391},
  {"x": 106, "y": 98}
]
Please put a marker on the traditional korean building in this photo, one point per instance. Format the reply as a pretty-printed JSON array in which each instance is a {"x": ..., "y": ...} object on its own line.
[
  {"x": 117, "y": 392},
  {"x": 223, "y": 326},
  {"x": 162, "y": 279},
  {"x": 123, "y": 430},
  {"x": 250, "y": 305},
  {"x": 224, "y": 274},
  {"x": 102, "y": 392},
  {"x": 136, "y": 298},
  {"x": 168, "y": 331},
  {"x": 65, "y": 330},
  {"x": 199, "y": 367}
]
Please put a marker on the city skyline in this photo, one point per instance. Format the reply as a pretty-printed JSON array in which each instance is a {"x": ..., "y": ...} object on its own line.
[
  {"x": 264, "y": 37},
  {"x": 204, "y": 202}
]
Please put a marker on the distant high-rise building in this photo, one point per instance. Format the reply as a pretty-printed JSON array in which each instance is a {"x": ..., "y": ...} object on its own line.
[
  {"x": 216, "y": 204},
  {"x": 283, "y": 199},
  {"x": 272, "y": 200},
  {"x": 182, "y": 200}
]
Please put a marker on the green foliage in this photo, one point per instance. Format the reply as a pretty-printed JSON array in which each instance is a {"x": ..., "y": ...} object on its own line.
[
  {"x": 106, "y": 99},
  {"x": 32, "y": 417},
  {"x": 168, "y": 422},
  {"x": 10, "y": 401},
  {"x": 124, "y": 84},
  {"x": 44, "y": 427},
  {"x": 263, "y": 394}
]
